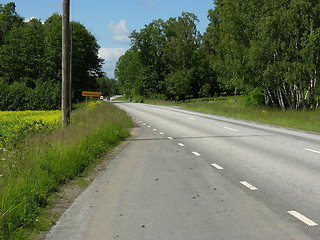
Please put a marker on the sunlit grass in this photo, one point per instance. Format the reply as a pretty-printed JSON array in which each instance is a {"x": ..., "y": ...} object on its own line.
[
  {"x": 308, "y": 120},
  {"x": 34, "y": 169}
]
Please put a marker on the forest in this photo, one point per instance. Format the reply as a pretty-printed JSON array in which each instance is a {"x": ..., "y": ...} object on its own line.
[
  {"x": 30, "y": 61},
  {"x": 267, "y": 50}
]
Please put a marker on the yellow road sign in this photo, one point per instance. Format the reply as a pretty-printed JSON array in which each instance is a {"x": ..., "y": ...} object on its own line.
[{"x": 91, "y": 94}]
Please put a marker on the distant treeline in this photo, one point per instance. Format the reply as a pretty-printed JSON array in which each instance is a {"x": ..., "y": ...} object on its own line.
[
  {"x": 30, "y": 61},
  {"x": 269, "y": 50}
]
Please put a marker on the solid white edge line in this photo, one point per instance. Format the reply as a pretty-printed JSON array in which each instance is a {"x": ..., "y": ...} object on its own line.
[
  {"x": 248, "y": 185},
  {"x": 302, "y": 218},
  {"x": 216, "y": 166},
  {"x": 181, "y": 145},
  {"x": 310, "y": 150},
  {"x": 231, "y": 129},
  {"x": 196, "y": 153}
]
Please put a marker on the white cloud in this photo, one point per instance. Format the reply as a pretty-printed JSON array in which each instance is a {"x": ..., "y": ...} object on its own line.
[
  {"x": 111, "y": 56},
  {"x": 29, "y": 19},
  {"x": 26, "y": 20},
  {"x": 148, "y": 3},
  {"x": 119, "y": 32}
]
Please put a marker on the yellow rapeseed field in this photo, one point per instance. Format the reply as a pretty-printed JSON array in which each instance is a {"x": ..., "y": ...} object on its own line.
[{"x": 16, "y": 124}]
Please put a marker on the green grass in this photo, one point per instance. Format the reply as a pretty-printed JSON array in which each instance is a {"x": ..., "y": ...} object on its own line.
[
  {"x": 34, "y": 170},
  {"x": 308, "y": 120}
]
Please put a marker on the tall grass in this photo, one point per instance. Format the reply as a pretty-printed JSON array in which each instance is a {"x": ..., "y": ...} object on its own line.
[{"x": 35, "y": 169}]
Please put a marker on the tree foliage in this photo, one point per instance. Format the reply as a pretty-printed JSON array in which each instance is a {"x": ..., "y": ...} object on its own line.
[
  {"x": 272, "y": 46},
  {"x": 164, "y": 60},
  {"x": 30, "y": 61}
]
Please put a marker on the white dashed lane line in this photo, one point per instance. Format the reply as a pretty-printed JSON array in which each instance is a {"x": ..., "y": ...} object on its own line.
[
  {"x": 248, "y": 185},
  {"x": 296, "y": 214},
  {"x": 196, "y": 153},
  {"x": 231, "y": 129},
  {"x": 216, "y": 166},
  {"x": 302, "y": 218},
  {"x": 311, "y": 150}
]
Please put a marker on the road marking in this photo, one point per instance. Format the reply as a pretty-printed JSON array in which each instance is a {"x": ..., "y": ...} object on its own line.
[
  {"x": 231, "y": 129},
  {"x": 144, "y": 123},
  {"x": 139, "y": 121},
  {"x": 161, "y": 133},
  {"x": 310, "y": 150},
  {"x": 248, "y": 185},
  {"x": 181, "y": 144},
  {"x": 149, "y": 126},
  {"x": 154, "y": 129},
  {"x": 170, "y": 138},
  {"x": 302, "y": 218},
  {"x": 216, "y": 166},
  {"x": 190, "y": 118},
  {"x": 196, "y": 153}
]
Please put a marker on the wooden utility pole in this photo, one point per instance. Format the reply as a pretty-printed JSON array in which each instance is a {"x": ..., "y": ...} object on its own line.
[{"x": 66, "y": 79}]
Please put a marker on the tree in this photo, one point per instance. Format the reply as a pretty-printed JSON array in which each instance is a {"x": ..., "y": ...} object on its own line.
[
  {"x": 127, "y": 73},
  {"x": 9, "y": 19},
  {"x": 32, "y": 75},
  {"x": 182, "y": 56},
  {"x": 27, "y": 44},
  {"x": 149, "y": 44},
  {"x": 108, "y": 86},
  {"x": 169, "y": 58},
  {"x": 86, "y": 64},
  {"x": 268, "y": 45}
]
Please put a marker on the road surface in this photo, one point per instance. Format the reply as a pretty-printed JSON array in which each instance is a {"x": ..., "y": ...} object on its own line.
[{"x": 189, "y": 176}]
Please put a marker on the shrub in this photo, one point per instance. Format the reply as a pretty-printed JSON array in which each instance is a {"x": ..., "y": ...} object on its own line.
[{"x": 255, "y": 97}]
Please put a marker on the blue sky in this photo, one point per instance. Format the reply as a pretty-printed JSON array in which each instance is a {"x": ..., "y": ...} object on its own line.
[{"x": 111, "y": 21}]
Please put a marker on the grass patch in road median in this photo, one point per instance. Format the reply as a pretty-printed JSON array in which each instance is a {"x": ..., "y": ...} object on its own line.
[{"x": 34, "y": 170}]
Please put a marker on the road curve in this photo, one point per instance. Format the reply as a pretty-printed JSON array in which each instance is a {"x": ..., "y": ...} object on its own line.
[{"x": 189, "y": 175}]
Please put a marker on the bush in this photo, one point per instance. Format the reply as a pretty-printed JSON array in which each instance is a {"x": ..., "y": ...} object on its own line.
[
  {"x": 18, "y": 96},
  {"x": 255, "y": 97}
]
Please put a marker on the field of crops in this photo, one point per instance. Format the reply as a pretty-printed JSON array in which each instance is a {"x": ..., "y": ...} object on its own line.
[{"x": 16, "y": 125}]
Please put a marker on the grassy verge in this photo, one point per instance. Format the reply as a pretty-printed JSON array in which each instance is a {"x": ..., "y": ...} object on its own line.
[
  {"x": 308, "y": 120},
  {"x": 33, "y": 171}
]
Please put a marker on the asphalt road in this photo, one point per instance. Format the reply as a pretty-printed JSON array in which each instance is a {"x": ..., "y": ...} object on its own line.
[{"x": 190, "y": 176}]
